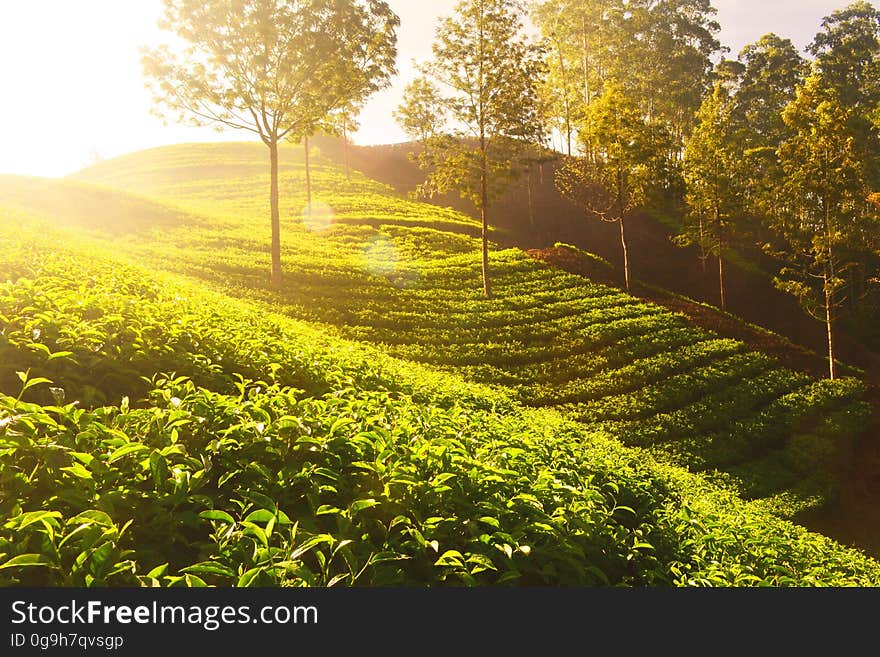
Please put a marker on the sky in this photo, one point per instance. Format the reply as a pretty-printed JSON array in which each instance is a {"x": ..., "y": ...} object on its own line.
[{"x": 71, "y": 89}]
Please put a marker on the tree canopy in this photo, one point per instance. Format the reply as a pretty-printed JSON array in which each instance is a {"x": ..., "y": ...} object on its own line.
[
  {"x": 475, "y": 110},
  {"x": 271, "y": 67}
]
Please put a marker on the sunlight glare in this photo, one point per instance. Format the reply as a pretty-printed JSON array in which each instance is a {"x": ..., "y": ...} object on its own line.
[
  {"x": 382, "y": 258},
  {"x": 319, "y": 219}
]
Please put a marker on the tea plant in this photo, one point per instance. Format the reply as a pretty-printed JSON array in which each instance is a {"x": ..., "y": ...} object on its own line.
[{"x": 169, "y": 419}]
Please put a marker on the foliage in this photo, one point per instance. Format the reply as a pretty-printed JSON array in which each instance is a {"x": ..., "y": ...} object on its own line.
[
  {"x": 264, "y": 484},
  {"x": 273, "y": 68},
  {"x": 715, "y": 180},
  {"x": 827, "y": 180},
  {"x": 614, "y": 177},
  {"x": 660, "y": 51},
  {"x": 476, "y": 111},
  {"x": 311, "y": 437}
]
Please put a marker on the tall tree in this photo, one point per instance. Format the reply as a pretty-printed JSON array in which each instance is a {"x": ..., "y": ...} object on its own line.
[
  {"x": 271, "y": 67},
  {"x": 660, "y": 51},
  {"x": 614, "y": 177},
  {"x": 772, "y": 71},
  {"x": 713, "y": 175},
  {"x": 667, "y": 58},
  {"x": 482, "y": 83},
  {"x": 847, "y": 53},
  {"x": 826, "y": 218},
  {"x": 577, "y": 39}
]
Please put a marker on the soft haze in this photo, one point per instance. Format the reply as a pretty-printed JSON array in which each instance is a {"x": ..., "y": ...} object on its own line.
[{"x": 72, "y": 89}]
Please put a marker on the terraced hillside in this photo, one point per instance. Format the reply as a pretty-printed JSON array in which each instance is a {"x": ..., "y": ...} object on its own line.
[
  {"x": 556, "y": 340},
  {"x": 396, "y": 469}
]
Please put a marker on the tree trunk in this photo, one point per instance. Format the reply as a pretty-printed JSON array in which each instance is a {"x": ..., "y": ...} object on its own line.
[
  {"x": 721, "y": 276},
  {"x": 345, "y": 151},
  {"x": 276, "y": 220},
  {"x": 586, "y": 62},
  {"x": 828, "y": 278},
  {"x": 308, "y": 179},
  {"x": 531, "y": 203},
  {"x": 484, "y": 162},
  {"x": 703, "y": 254},
  {"x": 625, "y": 252},
  {"x": 829, "y": 324},
  {"x": 484, "y": 198},
  {"x": 566, "y": 100}
]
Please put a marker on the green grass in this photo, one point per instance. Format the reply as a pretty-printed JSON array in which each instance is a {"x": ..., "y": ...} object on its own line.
[{"x": 414, "y": 431}]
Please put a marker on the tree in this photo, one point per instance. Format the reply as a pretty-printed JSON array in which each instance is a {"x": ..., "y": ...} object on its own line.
[
  {"x": 772, "y": 71},
  {"x": 577, "y": 36},
  {"x": 667, "y": 62},
  {"x": 343, "y": 123},
  {"x": 613, "y": 178},
  {"x": 475, "y": 110},
  {"x": 826, "y": 219},
  {"x": 847, "y": 53},
  {"x": 271, "y": 67},
  {"x": 713, "y": 176},
  {"x": 421, "y": 116},
  {"x": 660, "y": 51}
]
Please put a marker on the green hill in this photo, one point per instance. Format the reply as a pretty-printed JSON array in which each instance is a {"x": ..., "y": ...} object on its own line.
[{"x": 412, "y": 431}]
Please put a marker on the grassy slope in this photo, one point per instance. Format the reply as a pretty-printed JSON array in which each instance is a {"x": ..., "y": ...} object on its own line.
[
  {"x": 405, "y": 275},
  {"x": 393, "y": 473},
  {"x": 413, "y": 290}
]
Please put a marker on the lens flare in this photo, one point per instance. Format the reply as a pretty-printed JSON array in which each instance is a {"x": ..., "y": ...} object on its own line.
[
  {"x": 319, "y": 218},
  {"x": 382, "y": 258}
]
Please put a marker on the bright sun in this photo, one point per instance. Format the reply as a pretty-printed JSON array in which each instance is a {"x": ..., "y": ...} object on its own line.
[
  {"x": 72, "y": 85},
  {"x": 72, "y": 89}
]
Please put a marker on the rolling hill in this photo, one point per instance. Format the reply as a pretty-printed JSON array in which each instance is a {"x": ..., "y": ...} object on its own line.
[{"x": 376, "y": 420}]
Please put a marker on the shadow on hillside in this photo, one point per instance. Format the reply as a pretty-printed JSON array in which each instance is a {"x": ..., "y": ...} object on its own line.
[{"x": 538, "y": 218}]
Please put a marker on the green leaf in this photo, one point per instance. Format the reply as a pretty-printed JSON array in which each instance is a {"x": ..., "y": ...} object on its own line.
[
  {"x": 263, "y": 501},
  {"x": 209, "y": 568},
  {"x": 31, "y": 517},
  {"x": 492, "y": 522},
  {"x": 158, "y": 571},
  {"x": 125, "y": 450},
  {"x": 216, "y": 514},
  {"x": 92, "y": 517},
  {"x": 328, "y": 510},
  {"x": 24, "y": 560},
  {"x": 442, "y": 478},
  {"x": 77, "y": 470},
  {"x": 257, "y": 532},
  {"x": 35, "y": 382},
  {"x": 158, "y": 469},
  {"x": 360, "y": 505},
  {"x": 450, "y": 558},
  {"x": 340, "y": 423},
  {"x": 194, "y": 581},
  {"x": 307, "y": 545},
  {"x": 260, "y": 515},
  {"x": 247, "y": 578},
  {"x": 481, "y": 563}
]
